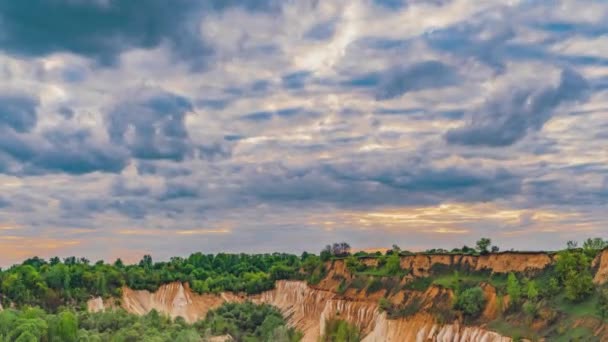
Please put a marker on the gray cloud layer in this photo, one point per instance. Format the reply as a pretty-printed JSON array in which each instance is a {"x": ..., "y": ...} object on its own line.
[{"x": 233, "y": 121}]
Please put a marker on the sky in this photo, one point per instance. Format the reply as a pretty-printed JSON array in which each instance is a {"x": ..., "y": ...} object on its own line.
[{"x": 170, "y": 127}]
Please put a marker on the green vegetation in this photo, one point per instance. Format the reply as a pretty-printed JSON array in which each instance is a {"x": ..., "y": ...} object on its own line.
[
  {"x": 513, "y": 289},
  {"x": 249, "y": 322},
  {"x": 554, "y": 298},
  {"x": 244, "y": 322},
  {"x": 340, "y": 331},
  {"x": 573, "y": 267},
  {"x": 54, "y": 283},
  {"x": 470, "y": 301}
]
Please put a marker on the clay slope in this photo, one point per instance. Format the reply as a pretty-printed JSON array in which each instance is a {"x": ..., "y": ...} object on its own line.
[
  {"x": 422, "y": 327},
  {"x": 505, "y": 262},
  {"x": 174, "y": 300},
  {"x": 601, "y": 262},
  {"x": 307, "y": 309}
]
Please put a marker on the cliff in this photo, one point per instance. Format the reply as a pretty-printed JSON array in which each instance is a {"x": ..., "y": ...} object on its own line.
[
  {"x": 505, "y": 262},
  {"x": 308, "y": 307},
  {"x": 601, "y": 263}
]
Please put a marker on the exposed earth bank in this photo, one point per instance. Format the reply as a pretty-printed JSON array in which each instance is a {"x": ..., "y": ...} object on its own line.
[{"x": 308, "y": 307}]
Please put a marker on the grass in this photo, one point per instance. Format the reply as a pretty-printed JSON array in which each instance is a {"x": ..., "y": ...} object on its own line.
[
  {"x": 514, "y": 331},
  {"x": 577, "y": 334},
  {"x": 586, "y": 308},
  {"x": 418, "y": 284},
  {"x": 465, "y": 280}
]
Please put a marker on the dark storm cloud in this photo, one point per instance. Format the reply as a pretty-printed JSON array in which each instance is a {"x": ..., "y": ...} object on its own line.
[
  {"x": 76, "y": 153},
  {"x": 72, "y": 152},
  {"x": 151, "y": 125},
  {"x": 504, "y": 120},
  {"x": 397, "y": 81},
  {"x": 98, "y": 29},
  {"x": 374, "y": 182},
  {"x": 58, "y": 150},
  {"x": 18, "y": 112}
]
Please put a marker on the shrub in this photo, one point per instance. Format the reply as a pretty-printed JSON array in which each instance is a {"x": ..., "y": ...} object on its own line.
[
  {"x": 513, "y": 289},
  {"x": 471, "y": 301},
  {"x": 419, "y": 284},
  {"x": 602, "y": 303},
  {"x": 375, "y": 285},
  {"x": 530, "y": 309},
  {"x": 340, "y": 331},
  {"x": 384, "y": 304}
]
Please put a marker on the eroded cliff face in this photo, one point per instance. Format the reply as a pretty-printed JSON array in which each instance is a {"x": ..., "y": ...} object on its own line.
[
  {"x": 422, "y": 264},
  {"x": 174, "y": 299},
  {"x": 601, "y": 262},
  {"x": 307, "y": 308},
  {"x": 423, "y": 327}
]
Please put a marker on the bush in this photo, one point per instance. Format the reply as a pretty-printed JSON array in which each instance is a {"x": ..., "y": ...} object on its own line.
[
  {"x": 574, "y": 270},
  {"x": 419, "y": 284},
  {"x": 530, "y": 309},
  {"x": 375, "y": 285},
  {"x": 513, "y": 289},
  {"x": 471, "y": 301},
  {"x": 384, "y": 304},
  {"x": 340, "y": 331},
  {"x": 602, "y": 303}
]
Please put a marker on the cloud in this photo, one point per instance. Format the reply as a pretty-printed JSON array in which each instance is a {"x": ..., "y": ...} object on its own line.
[
  {"x": 507, "y": 118},
  {"x": 302, "y": 120},
  {"x": 76, "y": 153},
  {"x": 18, "y": 112},
  {"x": 99, "y": 29},
  {"x": 151, "y": 125},
  {"x": 403, "y": 182},
  {"x": 397, "y": 81}
]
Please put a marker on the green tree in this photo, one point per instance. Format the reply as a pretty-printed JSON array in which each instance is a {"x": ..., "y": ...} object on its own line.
[
  {"x": 513, "y": 289},
  {"x": 574, "y": 270},
  {"x": 578, "y": 286},
  {"x": 26, "y": 336},
  {"x": 471, "y": 301},
  {"x": 602, "y": 303},
  {"x": 393, "y": 264},
  {"x": 67, "y": 327},
  {"x": 482, "y": 245},
  {"x": 593, "y": 246},
  {"x": 532, "y": 290}
]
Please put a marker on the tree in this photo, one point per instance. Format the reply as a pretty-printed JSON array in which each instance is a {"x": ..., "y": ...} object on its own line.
[
  {"x": 513, "y": 289},
  {"x": 396, "y": 249},
  {"x": 471, "y": 301},
  {"x": 571, "y": 244},
  {"x": 326, "y": 253},
  {"x": 532, "y": 290},
  {"x": 574, "y": 270},
  {"x": 578, "y": 286},
  {"x": 393, "y": 264},
  {"x": 67, "y": 327},
  {"x": 483, "y": 244},
  {"x": 495, "y": 249},
  {"x": 602, "y": 303},
  {"x": 341, "y": 249},
  {"x": 593, "y": 246},
  {"x": 146, "y": 262},
  {"x": 26, "y": 336},
  {"x": 118, "y": 263}
]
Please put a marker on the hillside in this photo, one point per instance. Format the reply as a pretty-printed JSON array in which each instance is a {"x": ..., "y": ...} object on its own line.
[{"x": 397, "y": 296}]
